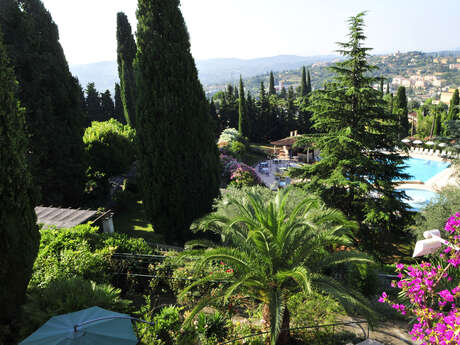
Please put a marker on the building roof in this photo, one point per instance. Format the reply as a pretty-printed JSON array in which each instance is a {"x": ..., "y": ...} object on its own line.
[
  {"x": 289, "y": 141},
  {"x": 63, "y": 217}
]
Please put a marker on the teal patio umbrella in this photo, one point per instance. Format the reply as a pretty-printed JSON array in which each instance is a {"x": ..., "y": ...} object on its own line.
[{"x": 85, "y": 327}]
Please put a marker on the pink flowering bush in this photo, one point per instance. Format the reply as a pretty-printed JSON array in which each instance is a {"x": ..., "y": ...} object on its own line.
[
  {"x": 433, "y": 290},
  {"x": 237, "y": 173}
]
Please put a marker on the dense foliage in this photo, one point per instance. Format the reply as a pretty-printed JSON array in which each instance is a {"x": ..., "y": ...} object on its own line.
[
  {"x": 178, "y": 156},
  {"x": 271, "y": 117},
  {"x": 359, "y": 164},
  {"x": 18, "y": 230},
  {"x": 273, "y": 252},
  {"x": 110, "y": 147},
  {"x": 126, "y": 52},
  {"x": 52, "y": 97}
]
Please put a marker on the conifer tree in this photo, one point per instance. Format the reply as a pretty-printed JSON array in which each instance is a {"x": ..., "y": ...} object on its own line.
[
  {"x": 251, "y": 116},
  {"x": 303, "y": 83},
  {"x": 309, "y": 87},
  {"x": 241, "y": 111},
  {"x": 19, "y": 236},
  {"x": 291, "y": 110},
  {"x": 93, "y": 104},
  {"x": 354, "y": 174},
  {"x": 283, "y": 93},
  {"x": 264, "y": 122},
  {"x": 381, "y": 86},
  {"x": 55, "y": 120},
  {"x": 401, "y": 111},
  {"x": 388, "y": 88},
  {"x": 271, "y": 87},
  {"x": 178, "y": 158},
  {"x": 107, "y": 105},
  {"x": 119, "y": 112},
  {"x": 126, "y": 52},
  {"x": 454, "y": 107}
]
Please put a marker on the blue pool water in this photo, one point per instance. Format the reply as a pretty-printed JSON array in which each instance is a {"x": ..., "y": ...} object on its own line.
[
  {"x": 419, "y": 198},
  {"x": 423, "y": 169}
]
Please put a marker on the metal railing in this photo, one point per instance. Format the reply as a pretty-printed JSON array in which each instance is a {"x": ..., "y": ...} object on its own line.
[{"x": 333, "y": 325}]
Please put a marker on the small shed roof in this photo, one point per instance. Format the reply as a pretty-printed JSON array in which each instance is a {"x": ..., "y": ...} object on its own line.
[
  {"x": 63, "y": 217},
  {"x": 289, "y": 141}
]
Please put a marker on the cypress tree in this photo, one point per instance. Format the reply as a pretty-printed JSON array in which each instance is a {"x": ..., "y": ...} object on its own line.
[
  {"x": 179, "y": 164},
  {"x": 303, "y": 83},
  {"x": 107, "y": 105},
  {"x": 454, "y": 106},
  {"x": 291, "y": 110},
  {"x": 283, "y": 93},
  {"x": 93, "y": 104},
  {"x": 126, "y": 53},
  {"x": 400, "y": 109},
  {"x": 119, "y": 111},
  {"x": 251, "y": 115},
  {"x": 354, "y": 175},
  {"x": 271, "y": 86},
  {"x": 388, "y": 88},
  {"x": 55, "y": 120},
  {"x": 309, "y": 88},
  {"x": 19, "y": 236},
  {"x": 241, "y": 110}
]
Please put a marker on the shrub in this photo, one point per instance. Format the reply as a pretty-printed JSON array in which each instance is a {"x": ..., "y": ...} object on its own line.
[
  {"x": 212, "y": 326},
  {"x": 64, "y": 296},
  {"x": 110, "y": 147},
  {"x": 238, "y": 174},
  {"x": 244, "y": 176},
  {"x": 228, "y": 136},
  {"x": 320, "y": 309},
  {"x": 167, "y": 326},
  {"x": 83, "y": 252}
]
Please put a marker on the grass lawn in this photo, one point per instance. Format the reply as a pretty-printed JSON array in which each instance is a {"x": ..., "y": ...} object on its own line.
[{"x": 132, "y": 221}]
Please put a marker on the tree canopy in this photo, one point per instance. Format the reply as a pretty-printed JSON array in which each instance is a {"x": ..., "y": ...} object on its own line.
[
  {"x": 359, "y": 164},
  {"x": 177, "y": 153},
  {"x": 55, "y": 118},
  {"x": 19, "y": 236}
]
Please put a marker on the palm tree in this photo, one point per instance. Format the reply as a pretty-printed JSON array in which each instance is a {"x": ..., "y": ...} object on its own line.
[{"x": 276, "y": 250}]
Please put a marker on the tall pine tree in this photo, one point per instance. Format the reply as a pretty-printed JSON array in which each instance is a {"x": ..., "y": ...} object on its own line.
[
  {"x": 119, "y": 111},
  {"x": 303, "y": 83},
  {"x": 107, "y": 105},
  {"x": 241, "y": 111},
  {"x": 309, "y": 87},
  {"x": 454, "y": 107},
  {"x": 93, "y": 104},
  {"x": 126, "y": 53},
  {"x": 271, "y": 85},
  {"x": 19, "y": 236},
  {"x": 178, "y": 158},
  {"x": 401, "y": 111},
  {"x": 51, "y": 95},
  {"x": 354, "y": 174}
]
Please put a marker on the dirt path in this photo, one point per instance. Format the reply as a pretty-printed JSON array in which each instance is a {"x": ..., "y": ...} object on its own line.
[{"x": 388, "y": 333}]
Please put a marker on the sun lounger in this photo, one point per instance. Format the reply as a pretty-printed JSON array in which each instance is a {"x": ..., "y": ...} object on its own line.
[
  {"x": 430, "y": 152},
  {"x": 443, "y": 153},
  {"x": 437, "y": 153}
]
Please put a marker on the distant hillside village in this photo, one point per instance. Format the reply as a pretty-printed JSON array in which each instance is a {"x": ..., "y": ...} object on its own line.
[{"x": 432, "y": 76}]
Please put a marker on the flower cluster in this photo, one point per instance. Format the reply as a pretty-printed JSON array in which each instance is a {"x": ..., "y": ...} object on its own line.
[
  {"x": 237, "y": 173},
  {"x": 433, "y": 293}
]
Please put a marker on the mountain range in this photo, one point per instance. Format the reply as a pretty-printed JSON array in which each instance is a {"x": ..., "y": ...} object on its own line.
[{"x": 213, "y": 71}]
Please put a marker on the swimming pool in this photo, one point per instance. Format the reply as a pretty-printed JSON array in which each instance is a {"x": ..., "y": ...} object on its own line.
[
  {"x": 423, "y": 169},
  {"x": 419, "y": 198}
]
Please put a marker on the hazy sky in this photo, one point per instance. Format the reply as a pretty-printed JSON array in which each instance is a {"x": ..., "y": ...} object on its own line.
[{"x": 260, "y": 28}]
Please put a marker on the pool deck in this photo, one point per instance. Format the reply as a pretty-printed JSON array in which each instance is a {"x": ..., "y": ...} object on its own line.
[{"x": 434, "y": 184}]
